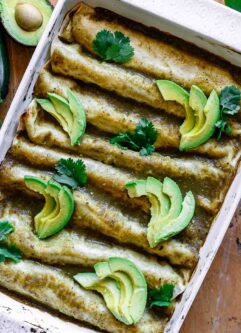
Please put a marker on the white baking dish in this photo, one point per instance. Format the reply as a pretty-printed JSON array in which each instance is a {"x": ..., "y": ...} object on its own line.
[{"x": 202, "y": 22}]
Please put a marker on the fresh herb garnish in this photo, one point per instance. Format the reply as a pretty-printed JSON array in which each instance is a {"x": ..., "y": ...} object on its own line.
[
  {"x": 113, "y": 46},
  {"x": 142, "y": 139},
  {"x": 235, "y": 4},
  {"x": 5, "y": 229},
  {"x": 10, "y": 252},
  {"x": 161, "y": 297},
  {"x": 71, "y": 173},
  {"x": 229, "y": 106}
]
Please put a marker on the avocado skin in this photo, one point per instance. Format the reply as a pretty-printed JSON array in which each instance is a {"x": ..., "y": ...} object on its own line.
[
  {"x": 58, "y": 208},
  {"x": 7, "y": 13},
  {"x": 4, "y": 68}
]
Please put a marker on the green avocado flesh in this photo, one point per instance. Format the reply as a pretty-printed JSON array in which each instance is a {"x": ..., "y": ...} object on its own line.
[
  {"x": 212, "y": 115},
  {"x": 173, "y": 92},
  {"x": 169, "y": 213},
  {"x": 48, "y": 107},
  {"x": 201, "y": 113},
  {"x": 25, "y": 20},
  {"x": 58, "y": 207},
  {"x": 79, "y": 117},
  {"x": 39, "y": 186},
  {"x": 69, "y": 113},
  {"x": 172, "y": 227},
  {"x": 197, "y": 102},
  {"x": 61, "y": 106},
  {"x": 130, "y": 294},
  {"x": 107, "y": 287}
]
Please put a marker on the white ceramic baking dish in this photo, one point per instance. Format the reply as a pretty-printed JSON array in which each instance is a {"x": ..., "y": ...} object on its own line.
[{"x": 202, "y": 22}]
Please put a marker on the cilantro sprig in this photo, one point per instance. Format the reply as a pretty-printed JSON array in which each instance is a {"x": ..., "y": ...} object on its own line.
[
  {"x": 5, "y": 229},
  {"x": 70, "y": 173},
  {"x": 10, "y": 252},
  {"x": 141, "y": 139},
  {"x": 229, "y": 106},
  {"x": 113, "y": 46},
  {"x": 161, "y": 297}
]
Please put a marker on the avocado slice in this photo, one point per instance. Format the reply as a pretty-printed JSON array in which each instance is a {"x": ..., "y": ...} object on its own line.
[
  {"x": 167, "y": 208},
  {"x": 58, "y": 208},
  {"x": 170, "y": 228},
  {"x": 69, "y": 113},
  {"x": 172, "y": 190},
  {"x": 173, "y": 92},
  {"x": 61, "y": 106},
  {"x": 26, "y": 20},
  {"x": 38, "y": 185},
  {"x": 212, "y": 115},
  {"x": 155, "y": 188},
  {"x": 151, "y": 187},
  {"x": 107, "y": 287},
  {"x": 47, "y": 106},
  {"x": 126, "y": 289},
  {"x": 79, "y": 117},
  {"x": 61, "y": 215},
  {"x": 197, "y": 102},
  {"x": 53, "y": 190},
  {"x": 139, "y": 296},
  {"x": 136, "y": 188}
]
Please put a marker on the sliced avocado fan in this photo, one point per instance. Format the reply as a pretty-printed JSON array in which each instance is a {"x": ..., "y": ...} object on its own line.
[
  {"x": 25, "y": 20},
  {"x": 201, "y": 113},
  {"x": 201, "y": 133},
  {"x": 58, "y": 207},
  {"x": 122, "y": 285},
  {"x": 69, "y": 113},
  {"x": 173, "y": 92},
  {"x": 170, "y": 214}
]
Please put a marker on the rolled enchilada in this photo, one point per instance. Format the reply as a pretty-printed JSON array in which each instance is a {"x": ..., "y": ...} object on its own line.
[{"x": 106, "y": 220}]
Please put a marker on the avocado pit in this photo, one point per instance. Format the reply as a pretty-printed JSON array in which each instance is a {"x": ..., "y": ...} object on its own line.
[{"x": 28, "y": 17}]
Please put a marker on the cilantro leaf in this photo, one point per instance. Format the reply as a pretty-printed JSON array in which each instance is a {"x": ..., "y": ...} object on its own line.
[
  {"x": 230, "y": 100},
  {"x": 5, "y": 229},
  {"x": 10, "y": 252},
  {"x": 161, "y": 297},
  {"x": 71, "y": 173},
  {"x": 113, "y": 46},
  {"x": 229, "y": 106},
  {"x": 235, "y": 4},
  {"x": 142, "y": 139}
]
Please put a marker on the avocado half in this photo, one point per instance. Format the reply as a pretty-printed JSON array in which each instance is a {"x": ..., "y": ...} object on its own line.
[{"x": 25, "y": 20}]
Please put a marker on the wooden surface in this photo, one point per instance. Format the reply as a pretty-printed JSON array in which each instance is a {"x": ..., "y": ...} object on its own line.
[{"x": 217, "y": 308}]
